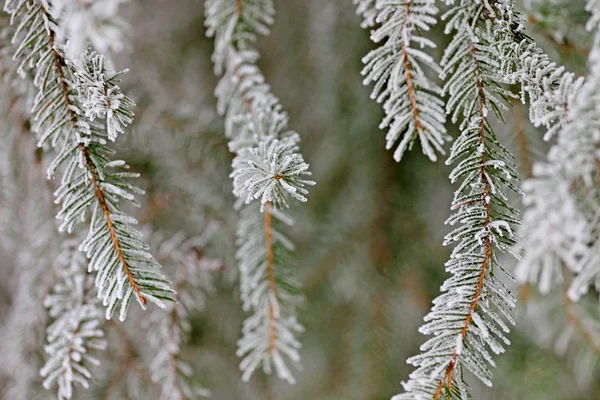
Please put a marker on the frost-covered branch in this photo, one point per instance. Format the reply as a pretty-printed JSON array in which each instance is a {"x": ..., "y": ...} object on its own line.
[
  {"x": 561, "y": 220},
  {"x": 270, "y": 291},
  {"x": 75, "y": 334},
  {"x": 268, "y": 166},
  {"x": 467, "y": 322},
  {"x": 545, "y": 85},
  {"x": 411, "y": 100},
  {"x": 90, "y": 183}
]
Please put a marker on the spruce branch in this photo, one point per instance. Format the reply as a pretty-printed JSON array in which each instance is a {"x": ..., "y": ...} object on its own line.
[
  {"x": 269, "y": 166},
  {"x": 90, "y": 182},
  {"x": 269, "y": 291},
  {"x": 76, "y": 331},
  {"x": 467, "y": 320},
  {"x": 560, "y": 219},
  {"x": 411, "y": 100}
]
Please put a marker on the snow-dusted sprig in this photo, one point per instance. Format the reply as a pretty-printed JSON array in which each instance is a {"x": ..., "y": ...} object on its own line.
[
  {"x": 171, "y": 329},
  {"x": 235, "y": 24},
  {"x": 90, "y": 182},
  {"x": 555, "y": 231},
  {"x": 547, "y": 86},
  {"x": 568, "y": 174},
  {"x": 468, "y": 320},
  {"x": 253, "y": 115},
  {"x": 76, "y": 332},
  {"x": 268, "y": 166},
  {"x": 272, "y": 171},
  {"x": 101, "y": 97},
  {"x": 411, "y": 100},
  {"x": 270, "y": 292}
]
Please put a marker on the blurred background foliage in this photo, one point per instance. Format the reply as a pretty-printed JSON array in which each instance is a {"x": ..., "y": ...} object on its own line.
[{"x": 369, "y": 241}]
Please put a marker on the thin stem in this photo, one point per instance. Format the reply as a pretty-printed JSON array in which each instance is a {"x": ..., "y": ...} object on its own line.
[
  {"x": 407, "y": 70},
  {"x": 270, "y": 276}
]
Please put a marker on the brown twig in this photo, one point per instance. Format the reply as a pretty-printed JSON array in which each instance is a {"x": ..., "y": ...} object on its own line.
[
  {"x": 270, "y": 276},
  {"x": 408, "y": 74},
  {"x": 268, "y": 243}
]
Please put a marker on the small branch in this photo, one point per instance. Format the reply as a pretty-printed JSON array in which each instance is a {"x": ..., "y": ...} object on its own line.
[
  {"x": 109, "y": 224},
  {"x": 100, "y": 196}
]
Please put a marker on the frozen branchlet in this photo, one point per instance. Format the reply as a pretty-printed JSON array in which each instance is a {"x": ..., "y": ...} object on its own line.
[
  {"x": 268, "y": 166},
  {"x": 170, "y": 331},
  {"x": 546, "y": 86},
  {"x": 554, "y": 228},
  {"x": 468, "y": 321},
  {"x": 101, "y": 97},
  {"x": 75, "y": 333},
  {"x": 411, "y": 100},
  {"x": 270, "y": 292},
  {"x": 549, "y": 89},
  {"x": 83, "y": 21},
  {"x": 568, "y": 176},
  {"x": 235, "y": 25},
  {"x": 90, "y": 183},
  {"x": 272, "y": 171}
]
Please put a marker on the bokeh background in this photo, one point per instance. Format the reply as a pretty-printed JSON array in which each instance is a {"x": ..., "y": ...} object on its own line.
[{"x": 369, "y": 248}]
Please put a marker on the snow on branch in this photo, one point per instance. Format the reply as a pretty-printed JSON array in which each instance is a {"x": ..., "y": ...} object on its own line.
[
  {"x": 561, "y": 218},
  {"x": 267, "y": 166},
  {"x": 411, "y": 100},
  {"x": 77, "y": 109},
  {"x": 270, "y": 291},
  {"x": 76, "y": 332},
  {"x": 469, "y": 320}
]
